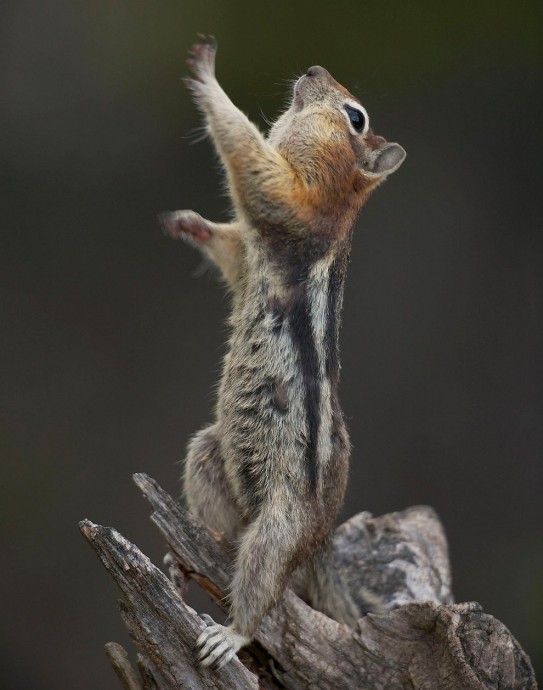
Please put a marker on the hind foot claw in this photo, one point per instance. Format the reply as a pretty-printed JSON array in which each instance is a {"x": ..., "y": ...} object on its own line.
[{"x": 218, "y": 644}]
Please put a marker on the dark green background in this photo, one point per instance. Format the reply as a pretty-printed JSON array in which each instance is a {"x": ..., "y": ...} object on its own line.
[{"x": 111, "y": 345}]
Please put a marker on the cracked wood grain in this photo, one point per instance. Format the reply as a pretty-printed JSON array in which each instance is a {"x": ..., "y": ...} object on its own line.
[{"x": 423, "y": 641}]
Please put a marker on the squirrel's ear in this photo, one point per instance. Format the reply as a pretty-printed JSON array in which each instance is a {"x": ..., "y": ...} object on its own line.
[{"x": 384, "y": 160}]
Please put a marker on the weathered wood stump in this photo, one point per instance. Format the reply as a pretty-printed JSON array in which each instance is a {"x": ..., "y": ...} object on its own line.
[{"x": 421, "y": 641}]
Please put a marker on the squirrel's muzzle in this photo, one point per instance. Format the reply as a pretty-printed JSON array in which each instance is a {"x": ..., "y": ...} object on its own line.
[{"x": 319, "y": 72}]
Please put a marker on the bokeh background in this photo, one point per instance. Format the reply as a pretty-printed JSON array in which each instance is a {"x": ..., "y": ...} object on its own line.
[{"x": 112, "y": 336}]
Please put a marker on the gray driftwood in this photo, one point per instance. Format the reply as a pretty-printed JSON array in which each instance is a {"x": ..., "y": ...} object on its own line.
[{"x": 423, "y": 641}]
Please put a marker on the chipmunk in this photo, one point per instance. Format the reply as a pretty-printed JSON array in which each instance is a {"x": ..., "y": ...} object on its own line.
[{"x": 271, "y": 472}]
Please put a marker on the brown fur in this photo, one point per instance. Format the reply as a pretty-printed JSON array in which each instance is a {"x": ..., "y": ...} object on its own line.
[{"x": 271, "y": 472}]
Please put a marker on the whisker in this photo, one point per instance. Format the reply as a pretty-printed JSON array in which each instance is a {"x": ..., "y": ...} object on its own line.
[
  {"x": 266, "y": 119},
  {"x": 196, "y": 134}
]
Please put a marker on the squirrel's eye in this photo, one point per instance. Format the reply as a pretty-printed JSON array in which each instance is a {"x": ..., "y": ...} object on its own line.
[{"x": 357, "y": 117}]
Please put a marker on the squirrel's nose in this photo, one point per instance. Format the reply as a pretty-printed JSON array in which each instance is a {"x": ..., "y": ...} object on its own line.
[{"x": 317, "y": 71}]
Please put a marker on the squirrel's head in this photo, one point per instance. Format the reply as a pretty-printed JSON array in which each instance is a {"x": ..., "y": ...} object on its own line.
[{"x": 325, "y": 133}]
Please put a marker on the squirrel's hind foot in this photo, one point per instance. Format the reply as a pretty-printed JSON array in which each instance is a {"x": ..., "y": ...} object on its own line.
[{"x": 218, "y": 644}]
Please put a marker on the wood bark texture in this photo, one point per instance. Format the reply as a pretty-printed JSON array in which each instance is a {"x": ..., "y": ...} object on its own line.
[{"x": 420, "y": 641}]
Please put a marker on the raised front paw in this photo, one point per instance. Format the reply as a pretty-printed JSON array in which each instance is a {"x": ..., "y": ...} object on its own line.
[
  {"x": 187, "y": 225},
  {"x": 202, "y": 58},
  {"x": 218, "y": 645}
]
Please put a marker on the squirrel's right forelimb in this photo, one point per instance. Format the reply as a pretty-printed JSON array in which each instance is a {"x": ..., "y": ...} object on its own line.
[{"x": 260, "y": 179}]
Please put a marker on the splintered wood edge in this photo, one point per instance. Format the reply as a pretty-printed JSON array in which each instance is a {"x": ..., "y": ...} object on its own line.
[
  {"x": 189, "y": 540},
  {"x": 118, "y": 658},
  {"x": 161, "y": 625}
]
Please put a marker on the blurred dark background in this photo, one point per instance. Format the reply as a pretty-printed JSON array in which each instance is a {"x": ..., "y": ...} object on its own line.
[{"x": 111, "y": 343}]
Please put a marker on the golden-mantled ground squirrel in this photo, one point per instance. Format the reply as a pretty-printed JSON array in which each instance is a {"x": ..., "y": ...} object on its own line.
[{"x": 270, "y": 473}]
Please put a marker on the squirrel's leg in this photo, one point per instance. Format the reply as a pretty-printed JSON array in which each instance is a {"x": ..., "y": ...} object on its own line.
[
  {"x": 220, "y": 242},
  {"x": 326, "y": 590},
  {"x": 206, "y": 495},
  {"x": 261, "y": 180},
  {"x": 322, "y": 582},
  {"x": 269, "y": 550},
  {"x": 205, "y": 486}
]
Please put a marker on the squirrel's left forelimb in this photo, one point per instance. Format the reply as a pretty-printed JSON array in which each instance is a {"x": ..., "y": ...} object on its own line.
[{"x": 219, "y": 242}]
